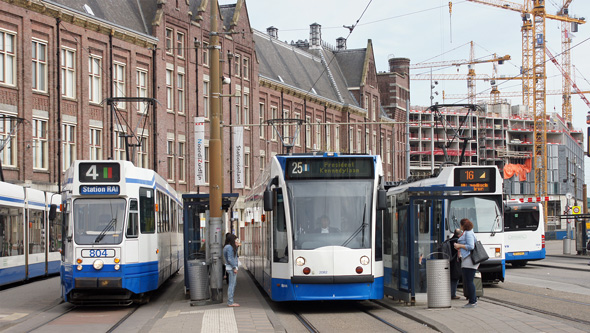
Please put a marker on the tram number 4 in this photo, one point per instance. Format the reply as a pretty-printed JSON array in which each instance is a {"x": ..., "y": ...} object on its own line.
[{"x": 91, "y": 173}]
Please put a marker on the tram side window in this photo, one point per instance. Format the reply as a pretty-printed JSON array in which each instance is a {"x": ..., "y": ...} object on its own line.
[
  {"x": 11, "y": 231},
  {"x": 147, "y": 218},
  {"x": 36, "y": 231},
  {"x": 280, "y": 250},
  {"x": 132, "y": 223},
  {"x": 55, "y": 233}
]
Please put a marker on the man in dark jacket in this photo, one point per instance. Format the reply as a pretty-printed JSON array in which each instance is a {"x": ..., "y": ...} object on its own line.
[{"x": 452, "y": 254}]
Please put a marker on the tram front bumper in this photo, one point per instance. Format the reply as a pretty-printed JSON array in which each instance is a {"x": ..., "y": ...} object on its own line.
[{"x": 100, "y": 282}]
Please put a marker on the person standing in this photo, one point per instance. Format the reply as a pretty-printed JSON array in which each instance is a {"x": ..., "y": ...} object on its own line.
[
  {"x": 466, "y": 243},
  {"x": 230, "y": 254},
  {"x": 455, "y": 263}
]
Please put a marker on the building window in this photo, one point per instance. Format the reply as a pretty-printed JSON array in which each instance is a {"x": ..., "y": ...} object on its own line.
[
  {"x": 95, "y": 143},
  {"x": 94, "y": 79},
  {"x": 142, "y": 153},
  {"x": 169, "y": 91},
  {"x": 141, "y": 90},
  {"x": 367, "y": 142},
  {"x": 247, "y": 169},
  {"x": 206, "y": 99},
  {"x": 337, "y": 139},
  {"x": 238, "y": 111},
  {"x": 351, "y": 140},
  {"x": 307, "y": 132},
  {"x": 237, "y": 65},
  {"x": 359, "y": 141},
  {"x": 205, "y": 54},
  {"x": 318, "y": 135},
  {"x": 8, "y": 154},
  {"x": 273, "y": 111},
  {"x": 388, "y": 151},
  {"x": 180, "y": 92},
  {"x": 181, "y": 162},
  {"x": 246, "y": 68},
  {"x": 180, "y": 44},
  {"x": 298, "y": 137},
  {"x": 170, "y": 159},
  {"x": 39, "y": 68},
  {"x": 169, "y": 33},
  {"x": 246, "y": 107},
  {"x": 366, "y": 103},
  {"x": 261, "y": 119},
  {"x": 375, "y": 108},
  {"x": 119, "y": 83},
  {"x": 119, "y": 145},
  {"x": 7, "y": 58},
  {"x": 262, "y": 161},
  {"x": 328, "y": 138},
  {"x": 40, "y": 144},
  {"x": 286, "y": 128},
  {"x": 68, "y": 145},
  {"x": 68, "y": 73}
]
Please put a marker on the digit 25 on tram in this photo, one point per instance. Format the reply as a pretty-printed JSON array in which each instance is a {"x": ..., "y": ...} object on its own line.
[
  {"x": 321, "y": 239},
  {"x": 122, "y": 233}
]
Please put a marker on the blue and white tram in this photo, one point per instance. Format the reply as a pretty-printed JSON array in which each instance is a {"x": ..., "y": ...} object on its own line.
[
  {"x": 524, "y": 230},
  {"x": 321, "y": 236},
  {"x": 436, "y": 219},
  {"x": 122, "y": 232},
  {"x": 29, "y": 239}
]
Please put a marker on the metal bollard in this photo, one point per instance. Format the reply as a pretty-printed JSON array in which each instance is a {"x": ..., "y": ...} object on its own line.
[{"x": 567, "y": 245}]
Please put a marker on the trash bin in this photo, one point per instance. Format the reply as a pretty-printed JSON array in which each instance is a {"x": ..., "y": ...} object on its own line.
[
  {"x": 567, "y": 245},
  {"x": 438, "y": 283},
  {"x": 198, "y": 279}
]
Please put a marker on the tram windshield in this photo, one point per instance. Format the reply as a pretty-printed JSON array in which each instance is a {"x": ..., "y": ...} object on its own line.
[
  {"x": 484, "y": 212},
  {"x": 331, "y": 213},
  {"x": 99, "y": 221}
]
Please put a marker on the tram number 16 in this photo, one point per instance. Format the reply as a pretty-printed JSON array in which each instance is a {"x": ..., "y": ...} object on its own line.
[{"x": 470, "y": 175}]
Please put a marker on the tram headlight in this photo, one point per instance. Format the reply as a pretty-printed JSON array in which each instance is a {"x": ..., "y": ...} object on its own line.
[
  {"x": 79, "y": 267},
  {"x": 98, "y": 264},
  {"x": 365, "y": 260},
  {"x": 300, "y": 261},
  {"x": 117, "y": 267}
]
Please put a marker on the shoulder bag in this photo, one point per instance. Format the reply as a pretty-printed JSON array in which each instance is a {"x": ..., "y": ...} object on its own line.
[{"x": 478, "y": 254}]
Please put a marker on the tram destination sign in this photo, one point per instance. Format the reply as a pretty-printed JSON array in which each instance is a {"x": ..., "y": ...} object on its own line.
[
  {"x": 481, "y": 179},
  {"x": 330, "y": 168},
  {"x": 99, "y": 172}
]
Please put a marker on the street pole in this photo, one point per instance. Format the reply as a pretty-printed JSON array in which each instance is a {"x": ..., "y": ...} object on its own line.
[{"x": 216, "y": 170}]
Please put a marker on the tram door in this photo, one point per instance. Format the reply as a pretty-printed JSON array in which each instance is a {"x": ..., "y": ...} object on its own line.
[{"x": 413, "y": 231}]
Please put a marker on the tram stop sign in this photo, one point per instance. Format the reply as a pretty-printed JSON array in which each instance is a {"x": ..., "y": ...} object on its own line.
[{"x": 576, "y": 210}]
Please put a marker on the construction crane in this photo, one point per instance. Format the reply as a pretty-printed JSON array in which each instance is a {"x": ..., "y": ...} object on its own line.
[
  {"x": 471, "y": 76},
  {"x": 534, "y": 75}
]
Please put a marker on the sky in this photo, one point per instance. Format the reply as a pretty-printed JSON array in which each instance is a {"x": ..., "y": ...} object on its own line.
[{"x": 425, "y": 31}]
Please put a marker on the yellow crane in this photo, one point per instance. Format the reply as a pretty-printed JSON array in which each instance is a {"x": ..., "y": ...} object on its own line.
[
  {"x": 534, "y": 75},
  {"x": 470, "y": 76}
]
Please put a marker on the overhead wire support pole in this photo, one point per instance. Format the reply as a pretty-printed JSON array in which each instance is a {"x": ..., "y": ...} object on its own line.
[{"x": 214, "y": 227}]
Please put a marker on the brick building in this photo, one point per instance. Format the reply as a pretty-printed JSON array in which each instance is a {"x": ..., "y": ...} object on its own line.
[{"x": 64, "y": 59}]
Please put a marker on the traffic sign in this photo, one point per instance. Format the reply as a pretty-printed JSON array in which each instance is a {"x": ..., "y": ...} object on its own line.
[{"x": 576, "y": 210}]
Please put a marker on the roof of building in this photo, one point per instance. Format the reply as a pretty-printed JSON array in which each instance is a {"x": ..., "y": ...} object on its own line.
[
  {"x": 302, "y": 68},
  {"x": 134, "y": 15},
  {"x": 352, "y": 62}
]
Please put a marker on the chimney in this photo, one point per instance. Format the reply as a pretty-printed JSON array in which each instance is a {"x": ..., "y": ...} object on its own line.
[
  {"x": 315, "y": 35},
  {"x": 273, "y": 32},
  {"x": 399, "y": 65},
  {"x": 340, "y": 43}
]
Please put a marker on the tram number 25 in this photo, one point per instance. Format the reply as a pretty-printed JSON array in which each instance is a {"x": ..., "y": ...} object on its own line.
[{"x": 297, "y": 168}]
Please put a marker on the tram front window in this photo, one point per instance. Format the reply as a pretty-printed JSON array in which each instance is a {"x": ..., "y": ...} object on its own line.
[
  {"x": 331, "y": 213},
  {"x": 484, "y": 213},
  {"x": 99, "y": 221}
]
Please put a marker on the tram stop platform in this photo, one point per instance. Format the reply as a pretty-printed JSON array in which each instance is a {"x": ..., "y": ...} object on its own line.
[{"x": 255, "y": 315}]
